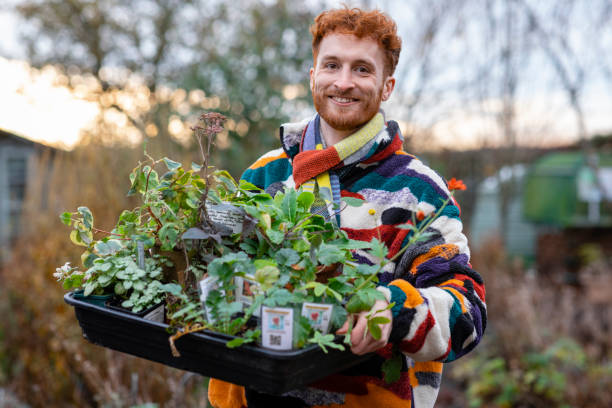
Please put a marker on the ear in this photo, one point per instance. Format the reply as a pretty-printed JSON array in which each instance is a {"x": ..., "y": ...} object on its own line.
[
  {"x": 388, "y": 86},
  {"x": 312, "y": 79}
]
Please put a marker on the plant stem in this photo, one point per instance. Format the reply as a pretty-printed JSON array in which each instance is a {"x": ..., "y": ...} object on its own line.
[
  {"x": 159, "y": 223},
  {"x": 412, "y": 240}
]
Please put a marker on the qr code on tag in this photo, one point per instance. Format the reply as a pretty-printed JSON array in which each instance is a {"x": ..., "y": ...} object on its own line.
[{"x": 275, "y": 340}]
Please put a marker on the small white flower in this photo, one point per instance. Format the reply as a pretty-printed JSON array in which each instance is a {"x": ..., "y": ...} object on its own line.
[{"x": 63, "y": 271}]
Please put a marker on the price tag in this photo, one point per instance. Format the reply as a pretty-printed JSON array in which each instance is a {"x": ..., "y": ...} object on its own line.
[
  {"x": 226, "y": 217},
  {"x": 319, "y": 315},
  {"x": 277, "y": 328}
]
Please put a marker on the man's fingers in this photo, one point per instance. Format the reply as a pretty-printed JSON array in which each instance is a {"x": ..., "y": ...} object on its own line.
[
  {"x": 344, "y": 328},
  {"x": 358, "y": 331}
]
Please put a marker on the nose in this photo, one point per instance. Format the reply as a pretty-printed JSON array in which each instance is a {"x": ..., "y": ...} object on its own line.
[{"x": 344, "y": 81}]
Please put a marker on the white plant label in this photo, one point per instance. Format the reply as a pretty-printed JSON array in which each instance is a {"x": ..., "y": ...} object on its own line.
[
  {"x": 319, "y": 315},
  {"x": 156, "y": 315},
  {"x": 246, "y": 289},
  {"x": 277, "y": 328},
  {"x": 141, "y": 255},
  {"x": 205, "y": 286}
]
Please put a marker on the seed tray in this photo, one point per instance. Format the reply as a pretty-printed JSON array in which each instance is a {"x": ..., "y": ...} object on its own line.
[{"x": 205, "y": 353}]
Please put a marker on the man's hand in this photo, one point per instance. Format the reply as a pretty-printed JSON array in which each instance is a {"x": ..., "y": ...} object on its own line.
[{"x": 362, "y": 344}]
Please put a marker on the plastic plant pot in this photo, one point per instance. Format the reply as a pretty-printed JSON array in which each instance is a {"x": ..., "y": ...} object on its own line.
[
  {"x": 155, "y": 313},
  {"x": 98, "y": 300},
  {"x": 205, "y": 353}
]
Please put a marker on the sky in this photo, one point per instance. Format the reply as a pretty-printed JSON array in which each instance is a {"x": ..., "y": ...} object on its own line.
[
  {"x": 37, "y": 105},
  {"x": 34, "y": 105}
]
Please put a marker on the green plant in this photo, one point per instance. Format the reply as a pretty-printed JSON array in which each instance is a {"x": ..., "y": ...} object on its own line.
[
  {"x": 537, "y": 378},
  {"x": 170, "y": 206}
]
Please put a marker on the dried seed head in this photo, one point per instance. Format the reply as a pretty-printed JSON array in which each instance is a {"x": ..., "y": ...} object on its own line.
[{"x": 213, "y": 122}]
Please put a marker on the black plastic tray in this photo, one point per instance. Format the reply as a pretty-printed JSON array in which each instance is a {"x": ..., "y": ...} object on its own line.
[{"x": 205, "y": 353}]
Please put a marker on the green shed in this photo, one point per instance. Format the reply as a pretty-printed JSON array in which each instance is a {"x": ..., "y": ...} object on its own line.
[{"x": 563, "y": 189}]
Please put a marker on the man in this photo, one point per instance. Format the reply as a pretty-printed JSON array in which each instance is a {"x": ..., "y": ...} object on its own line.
[{"x": 349, "y": 150}]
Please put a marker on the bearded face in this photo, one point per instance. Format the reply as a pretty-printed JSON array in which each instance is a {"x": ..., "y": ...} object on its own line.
[
  {"x": 346, "y": 110},
  {"x": 347, "y": 84}
]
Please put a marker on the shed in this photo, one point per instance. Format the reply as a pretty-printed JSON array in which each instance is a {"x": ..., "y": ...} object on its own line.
[
  {"x": 569, "y": 189},
  {"x": 16, "y": 154},
  {"x": 568, "y": 195}
]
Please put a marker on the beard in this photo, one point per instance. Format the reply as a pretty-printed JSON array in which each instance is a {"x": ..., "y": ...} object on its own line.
[{"x": 350, "y": 117}]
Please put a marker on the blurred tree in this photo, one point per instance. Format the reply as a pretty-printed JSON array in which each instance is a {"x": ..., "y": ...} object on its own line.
[
  {"x": 257, "y": 61},
  {"x": 153, "y": 65}
]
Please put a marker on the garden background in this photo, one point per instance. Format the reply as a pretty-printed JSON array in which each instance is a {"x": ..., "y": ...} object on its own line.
[{"x": 485, "y": 88}]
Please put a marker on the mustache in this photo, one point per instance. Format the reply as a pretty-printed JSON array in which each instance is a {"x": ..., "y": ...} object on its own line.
[
  {"x": 346, "y": 94},
  {"x": 337, "y": 93}
]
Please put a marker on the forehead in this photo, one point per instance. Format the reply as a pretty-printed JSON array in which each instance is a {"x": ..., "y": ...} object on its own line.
[{"x": 350, "y": 47}]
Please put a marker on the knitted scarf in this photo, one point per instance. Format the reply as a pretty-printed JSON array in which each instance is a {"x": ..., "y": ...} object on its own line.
[{"x": 316, "y": 168}]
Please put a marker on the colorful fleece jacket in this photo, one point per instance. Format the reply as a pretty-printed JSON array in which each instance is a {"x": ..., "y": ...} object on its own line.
[{"x": 439, "y": 313}]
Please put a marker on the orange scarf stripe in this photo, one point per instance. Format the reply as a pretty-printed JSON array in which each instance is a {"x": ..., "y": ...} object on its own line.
[{"x": 265, "y": 160}]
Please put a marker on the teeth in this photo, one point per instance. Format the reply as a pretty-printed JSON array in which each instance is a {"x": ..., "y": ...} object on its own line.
[{"x": 343, "y": 100}]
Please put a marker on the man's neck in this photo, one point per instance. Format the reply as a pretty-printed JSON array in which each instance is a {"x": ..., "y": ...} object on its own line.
[{"x": 333, "y": 136}]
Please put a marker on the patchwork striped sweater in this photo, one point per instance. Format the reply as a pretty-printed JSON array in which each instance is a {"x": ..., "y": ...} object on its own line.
[{"x": 439, "y": 313}]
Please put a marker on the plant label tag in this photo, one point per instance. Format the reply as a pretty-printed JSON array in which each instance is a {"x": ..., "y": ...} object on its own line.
[
  {"x": 141, "y": 255},
  {"x": 246, "y": 289},
  {"x": 206, "y": 286},
  {"x": 319, "y": 315},
  {"x": 277, "y": 328},
  {"x": 156, "y": 315},
  {"x": 226, "y": 217}
]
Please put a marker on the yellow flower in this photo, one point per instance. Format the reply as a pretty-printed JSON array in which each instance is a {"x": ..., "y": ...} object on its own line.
[{"x": 371, "y": 211}]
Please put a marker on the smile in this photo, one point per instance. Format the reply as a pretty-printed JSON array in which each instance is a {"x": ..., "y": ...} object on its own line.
[{"x": 343, "y": 101}]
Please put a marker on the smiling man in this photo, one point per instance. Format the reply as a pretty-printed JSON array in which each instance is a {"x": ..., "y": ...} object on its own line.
[{"x": 349, "y": 149}]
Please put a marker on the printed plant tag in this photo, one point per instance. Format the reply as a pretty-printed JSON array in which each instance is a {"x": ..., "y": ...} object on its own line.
[
  {"x": 205, "y": 286},
  {"x": 156, "y": 315},
  {"x": 141, "y": 255},
  {"x": 246, "y": 289},
  {"x": 277, "y": 328},
  {"x": 319, "y": 315},
  {"x": 226, "y": 216}
]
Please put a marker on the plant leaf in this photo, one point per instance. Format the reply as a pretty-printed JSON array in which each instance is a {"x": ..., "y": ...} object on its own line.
[
  {"x": 275, "y": 236},
  {"x": 66, "y": 218},
  {"x": 87, "y": 216},
  {"x": 287, "y": 256},
  {"x": 392, "y": 367},
  {"x": 171, "y": 164},
  {"x": 330, "y": 254},
  {"x": 305, "y": 200}
]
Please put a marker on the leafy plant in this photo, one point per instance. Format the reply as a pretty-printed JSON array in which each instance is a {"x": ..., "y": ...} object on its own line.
[{"x": 291, "y": 255}]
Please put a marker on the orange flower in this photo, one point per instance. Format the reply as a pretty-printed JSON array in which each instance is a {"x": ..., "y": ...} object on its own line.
[
  {"x": 420, "y": 215},
  {"x": 454, "y": 184}
]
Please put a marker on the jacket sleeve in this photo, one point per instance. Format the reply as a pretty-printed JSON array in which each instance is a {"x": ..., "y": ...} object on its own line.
[{"x": 439, "y": 312}]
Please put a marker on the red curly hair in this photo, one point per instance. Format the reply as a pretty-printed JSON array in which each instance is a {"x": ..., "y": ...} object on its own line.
[{"x": 360, "y": 23}]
